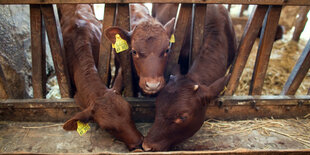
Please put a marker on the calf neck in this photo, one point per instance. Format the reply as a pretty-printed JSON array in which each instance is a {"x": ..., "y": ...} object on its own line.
[
  {"x": 181, "y": 105},
  {"x": 149, "y": 46},
  {"x": 81, "y": 35}
]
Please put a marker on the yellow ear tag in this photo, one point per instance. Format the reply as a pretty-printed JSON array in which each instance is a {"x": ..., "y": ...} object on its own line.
[
  {"x": 120, "y": 44},
  {"x": 82, "y": 128},
  {"x": 172, "y": 39}
]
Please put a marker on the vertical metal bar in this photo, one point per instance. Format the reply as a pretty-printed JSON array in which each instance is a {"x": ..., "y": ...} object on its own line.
[
  {"x": 301, "y": 21},
  {"x": 105, "y": 44},
  {"x": 243, "y": 7},
  {"x": 229, "y": 7},
  {"x": 122, "y": 20},
  {"x": 58, "y": 54},
  {"x": 248, "y": 38},
  {"x": 264, "y": 49},
  {"x": 181, "y": 26},
  {"x": 198, "y": 34},
  {"x": 38, "y": 52},
  {"x": 298, "y": 73},
  {"x": 191, "y": 35}
]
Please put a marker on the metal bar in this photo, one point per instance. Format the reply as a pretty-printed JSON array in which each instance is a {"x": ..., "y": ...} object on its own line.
[
  {"x": 244, "y": 112},
  {"x": 182, "y": 25},
  {"x": 281, "y": 99},
  {"x": 122, "y": 20},
  {"x": 264, "y": 49},
  {"x": 149, "y": 102},
  {"x": 258, "y": 2},
  {"x": 191, "y": 31},
  {"x": 58, "y": 54},
  {"x": 298, "y": 73},
  {"x": 38, "y": 52},
  {"x": 300, "y": 22},
  {"x": 105, "y": 44},
  {"x": 246, "y": 43},
  {"x": 198, "y": 35},
  {"x": 229, "y": 7},
  {"x": 232, "y": 108},
  {"x": 243, "y": 8}
]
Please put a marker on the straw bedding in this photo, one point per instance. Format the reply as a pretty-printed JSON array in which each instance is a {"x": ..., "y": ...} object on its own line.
[{"x": 284, "y": 56}]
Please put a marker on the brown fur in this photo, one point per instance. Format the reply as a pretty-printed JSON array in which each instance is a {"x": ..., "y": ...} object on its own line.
[
  {"x": 181, "y": 105},
  {"x": 149, "y": 46},
  {"x": 163, "y": 12},
  {"x": 81, "y": 35}
]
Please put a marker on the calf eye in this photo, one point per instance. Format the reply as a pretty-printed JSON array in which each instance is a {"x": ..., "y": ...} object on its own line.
[
  {"x": 133, "y": 52},
  {"x": 181, "y": 118},
  {"x": 167, "y": 50},
  {"x": 164, "y": 53}
]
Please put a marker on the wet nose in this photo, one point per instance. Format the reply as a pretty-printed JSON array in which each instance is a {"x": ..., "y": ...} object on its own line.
[
  {"x": 152, "y": 85},
  {"x": 137, "y": 146},
  {"x": 146, "y": 147}
]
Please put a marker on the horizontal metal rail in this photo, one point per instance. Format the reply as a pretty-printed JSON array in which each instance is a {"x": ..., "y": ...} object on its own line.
[
  {"x": 225, "y": 108},
  {"x": 265, "y": 100},
  {"x": 259, "y": 2},
  {"x": 149, "y": 102}
]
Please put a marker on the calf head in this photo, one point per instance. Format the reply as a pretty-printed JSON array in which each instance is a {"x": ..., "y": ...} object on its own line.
[
  {"x": 113, "y": 113},
  {"x": 149, "y": 46},
  {"x": 180, "y": 112}
]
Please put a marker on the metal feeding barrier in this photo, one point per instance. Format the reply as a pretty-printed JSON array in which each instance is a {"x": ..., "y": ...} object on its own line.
[{"x": 228, "y": 107}]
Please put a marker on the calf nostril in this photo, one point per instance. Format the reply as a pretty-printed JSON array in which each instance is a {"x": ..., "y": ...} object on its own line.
[{"x": 152, "y": 85}]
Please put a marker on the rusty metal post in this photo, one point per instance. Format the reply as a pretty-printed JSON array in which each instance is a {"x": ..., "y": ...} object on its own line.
[
  {"x": 58, "y": 53},
  {"x": 122, "y": 20},
  {"x": 298, "y": 73},
  {"x": 264, "y": 49},
  {"x": 247, "y": 40},
  {"x": 105, "y": 44},
  {"x": 38, "y": 52}
]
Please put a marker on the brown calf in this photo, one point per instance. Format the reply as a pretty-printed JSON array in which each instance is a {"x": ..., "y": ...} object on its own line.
[
  {"x": 149, "y": 46},
  {"x": 181, "y": 105},
  {"x": 81, "y": 35}
]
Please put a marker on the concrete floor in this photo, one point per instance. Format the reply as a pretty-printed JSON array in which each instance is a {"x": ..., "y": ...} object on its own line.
[{"x": 47, "y": 137}]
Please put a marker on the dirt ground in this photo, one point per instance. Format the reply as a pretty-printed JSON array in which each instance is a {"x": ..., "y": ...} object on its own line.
[{"x": 266, "y": 134}]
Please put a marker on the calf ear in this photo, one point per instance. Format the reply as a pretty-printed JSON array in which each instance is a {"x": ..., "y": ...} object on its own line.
[
  {"x": 112, "y": 31},
  {"x": 83, "y": 116},
  {"x": 118, "y": 83},
  {"x": 214, "y": 89},
  {"x": 169, "y": 26}
]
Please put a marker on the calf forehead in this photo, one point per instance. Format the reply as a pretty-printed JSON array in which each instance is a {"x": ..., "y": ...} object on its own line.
[{"x": 149, "y": 36}]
